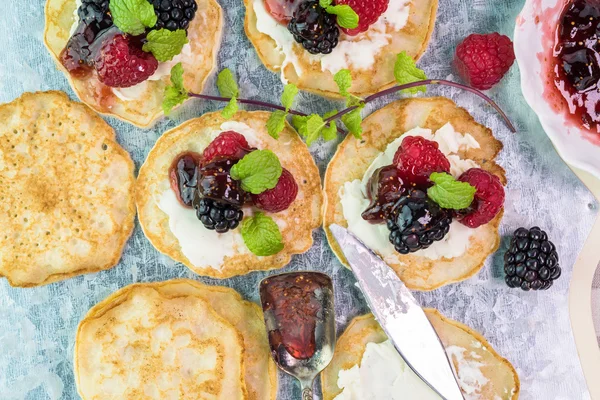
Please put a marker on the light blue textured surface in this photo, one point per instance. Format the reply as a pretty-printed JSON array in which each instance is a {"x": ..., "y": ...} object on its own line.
[{"x": 532, "y": 330}]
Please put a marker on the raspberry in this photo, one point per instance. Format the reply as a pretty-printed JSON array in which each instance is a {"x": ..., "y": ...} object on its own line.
[
  {"x": 231, "y": 145},
  {"x": 121, "y": 64},
  {"x": 368, "y": 12},
  {"x": 280, "y": 197},
  {"x": 417, "y": 158},
  {"x": 482, "y": 60},
  {"x": 489, "y": 197}
]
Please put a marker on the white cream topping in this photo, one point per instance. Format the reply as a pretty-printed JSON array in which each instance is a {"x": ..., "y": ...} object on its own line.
[
  {"x": 357, "y": 52},
  {"x": 383, "y": 375},
  {"x": 354, "y": 199}
]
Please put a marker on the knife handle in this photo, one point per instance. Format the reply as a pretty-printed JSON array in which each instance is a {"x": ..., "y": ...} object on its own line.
[{"x": 306, "y": 385}]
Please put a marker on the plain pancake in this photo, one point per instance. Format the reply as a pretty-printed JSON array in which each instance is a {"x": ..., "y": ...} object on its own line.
[
  {"x": 296, "y": 223},
  {"x": 141, "y": 343},
  {"x": 204, "y": 34},
  {"x": 501, "y": 375},
  {"x": 66, "y": 188},
  {"x": 413, "y": 39},
  {"x": 353, "y": 158}
]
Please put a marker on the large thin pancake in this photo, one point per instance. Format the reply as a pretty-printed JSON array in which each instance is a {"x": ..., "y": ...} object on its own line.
[
  {"x": 204, "y": 34},
  {"x": 260, "y": 369},
  {"x": 296, "y": 223},
  {"x": 412, "y": 38},
  {"x": 141, "y": 343},
  {"x": 353, "y": 157},
  {"x": 503, "y": 380},
  {"x": 66, "y": 188}
]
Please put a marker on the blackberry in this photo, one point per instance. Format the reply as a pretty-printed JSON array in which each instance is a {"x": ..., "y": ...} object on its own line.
[
  {"x": 174, "y": 14},
  {"x": 217, "y": 215},
  {"x": 416, "y": 222},
  {"x": 531, "y": 261},
  {"x": 95, "y": 11},
  {"x": 314, "y": 28}
]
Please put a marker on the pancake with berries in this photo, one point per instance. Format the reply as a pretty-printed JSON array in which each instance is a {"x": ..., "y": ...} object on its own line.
[
  {"x": 421, "y": 189},
  {"x": 118, "y": 57},
  {"x": 225, "y": 198},
  {"x": 307, "y": 44}
]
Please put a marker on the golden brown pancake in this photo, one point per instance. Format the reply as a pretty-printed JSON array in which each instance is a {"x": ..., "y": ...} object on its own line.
[
  {"x": 204, "y": 35},
  {"x": 296, "y": 223},
  {"x": 412, "y": 38},
  {"x": 353, "y": 158},
  {"x": 503, "y": 380},
  {"x": 66, "y": 188}
]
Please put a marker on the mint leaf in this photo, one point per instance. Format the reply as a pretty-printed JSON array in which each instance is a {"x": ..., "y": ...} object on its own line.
[
  {"x": 346, "y": 16},
  {"x": 289, "y": 94},
  {"x": 175, "y": 94},
  {"x": 353, "y": 122},
  {"x": 132, "y": 16},
  {"x": 165, "y": 44},
  {"x": 226, "y": 84},
  {"x": 406, "y": 71},
  {"x": 450, "y": 193},
  {"x": 299, "y": 122},
  {"x": 330, "y": 131},
  {"x": 343, "y": 78},
  {"x": 276, "y": 123},
  {"x": 314, "y": 125},
  {"x": 324, "y": 3},
  {"x": 230, "y": 109},
  {"x": 259, "y": 171},
  {"x": 261, "y": 235}
]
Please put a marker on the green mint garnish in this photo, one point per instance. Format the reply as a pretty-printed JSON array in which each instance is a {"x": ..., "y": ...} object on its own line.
[
  {"x": 346, "y": 16},
  {"x": 343, "y": 79},
  {"x": 175, "y": 93},
  {"x": 290, "y": 91},
  {"x": 165, "y": 44},
  {"x": 258, "y": 171},
  {"x": 330, "y": 131},
  {"x": 406, "y": 71},
  {"x": 276, "y": 122},
  {"x": 230, "y": 109},
  {"x": 261, "y": 235},
  {"x": 450, "y": 193},
  {"x": 353, "y": 122},
  {"x": 228, "y": 88},
  {"x": 132, "y": 16}
]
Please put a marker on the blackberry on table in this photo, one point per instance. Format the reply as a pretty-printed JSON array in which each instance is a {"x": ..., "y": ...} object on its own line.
[
  {"x": 314, "y": 28},
  {"x": 174, "y": 14},
  {"x": 216, "y": 215},
  {"x": 531, "y": 262},
  {"x": 416, "y": 222}
]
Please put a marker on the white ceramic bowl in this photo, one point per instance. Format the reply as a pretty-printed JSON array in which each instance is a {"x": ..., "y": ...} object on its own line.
[{"x": 533, "y": 40}]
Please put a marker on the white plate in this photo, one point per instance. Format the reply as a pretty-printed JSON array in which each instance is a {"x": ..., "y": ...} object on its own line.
[{"x": 533, "y": 40}]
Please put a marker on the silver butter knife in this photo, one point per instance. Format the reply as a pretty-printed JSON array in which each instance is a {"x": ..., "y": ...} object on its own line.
[{"x": 400, "y": 316}]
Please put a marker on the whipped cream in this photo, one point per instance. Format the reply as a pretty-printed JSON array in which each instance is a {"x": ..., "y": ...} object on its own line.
[
  {"x": 355, "y": 52},
  {"x": 383, "y": 375},
  {"x": 354, "y": 199}
]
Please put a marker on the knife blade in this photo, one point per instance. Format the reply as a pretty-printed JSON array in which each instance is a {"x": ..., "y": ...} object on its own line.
[{"x": 400, "y": 316}]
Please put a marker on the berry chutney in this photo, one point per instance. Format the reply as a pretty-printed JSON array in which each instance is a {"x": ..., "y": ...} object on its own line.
[
  {"x": 184, "y": 176},
  {"x": 577, "y": 61}
]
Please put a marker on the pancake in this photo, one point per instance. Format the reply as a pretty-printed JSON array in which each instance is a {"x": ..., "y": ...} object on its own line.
[
  {"x": 502, "y": 379},
  {"x": 305, "y": 70},
  {"x": 296, "y": 223},
  {"x": 142, "y": 343},
  {"x": 353, "y": 158},
  {"x": 66, "y": 188},
  {"x": 204, "y": 34}
]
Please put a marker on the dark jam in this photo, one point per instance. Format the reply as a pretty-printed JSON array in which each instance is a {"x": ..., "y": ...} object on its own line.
[
  {"x": 576, "y": 51},
  {"x": 292, "y": 306},
  {"x": 384, "y": 190},
  {"x": 216, "y": 183},
  {"x": 184, "y": 175}
]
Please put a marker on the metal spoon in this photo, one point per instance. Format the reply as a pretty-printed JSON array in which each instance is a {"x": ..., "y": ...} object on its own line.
[{"x": 305, "y": 370}]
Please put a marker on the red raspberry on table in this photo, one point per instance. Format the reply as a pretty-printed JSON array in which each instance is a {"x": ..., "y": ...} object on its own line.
[
  {"x": 489, "y": 197},
  {"x": 482, "y": 60},
  {"x": 368, "y": 12},
  {"x": 121, "y": 64},
  {"x": 280, "y": 197},
  {"x": 417, "y": 158},
  {"x": 230, "y": 144}
]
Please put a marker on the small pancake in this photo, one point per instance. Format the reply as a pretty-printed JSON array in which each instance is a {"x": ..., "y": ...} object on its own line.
[
  {"x": 353, "y": 158},
  {"x": 412, "y": 38},
  {"x": 66, "y": 188},
  {"x": 142, "y": 343},
  {"x": 204, "y": 34},
  {"x": 296, "y": 223},
  {"x": 503, "y": 381}
]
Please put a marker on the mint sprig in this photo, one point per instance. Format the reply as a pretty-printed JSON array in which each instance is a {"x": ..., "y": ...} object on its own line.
[
  {"x": 346, "y": 16},
  {"x": 262, "y": 235},
  {"x": 175, "y": 93},
  {"x": 228, "y": 88},
  {"x": 258, "y": 171},
  {"x": 276, "y": 122},
  {"x": 132, "y": 16},
  {"x": 165, "y": 44},
  {"x": 406, "y": 71},
  {"x": 450, "y": 193},
  {"x": 352, "y": 120}
]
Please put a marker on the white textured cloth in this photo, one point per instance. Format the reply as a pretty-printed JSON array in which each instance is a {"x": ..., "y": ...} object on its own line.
[{"x": 596, "y": 302}]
